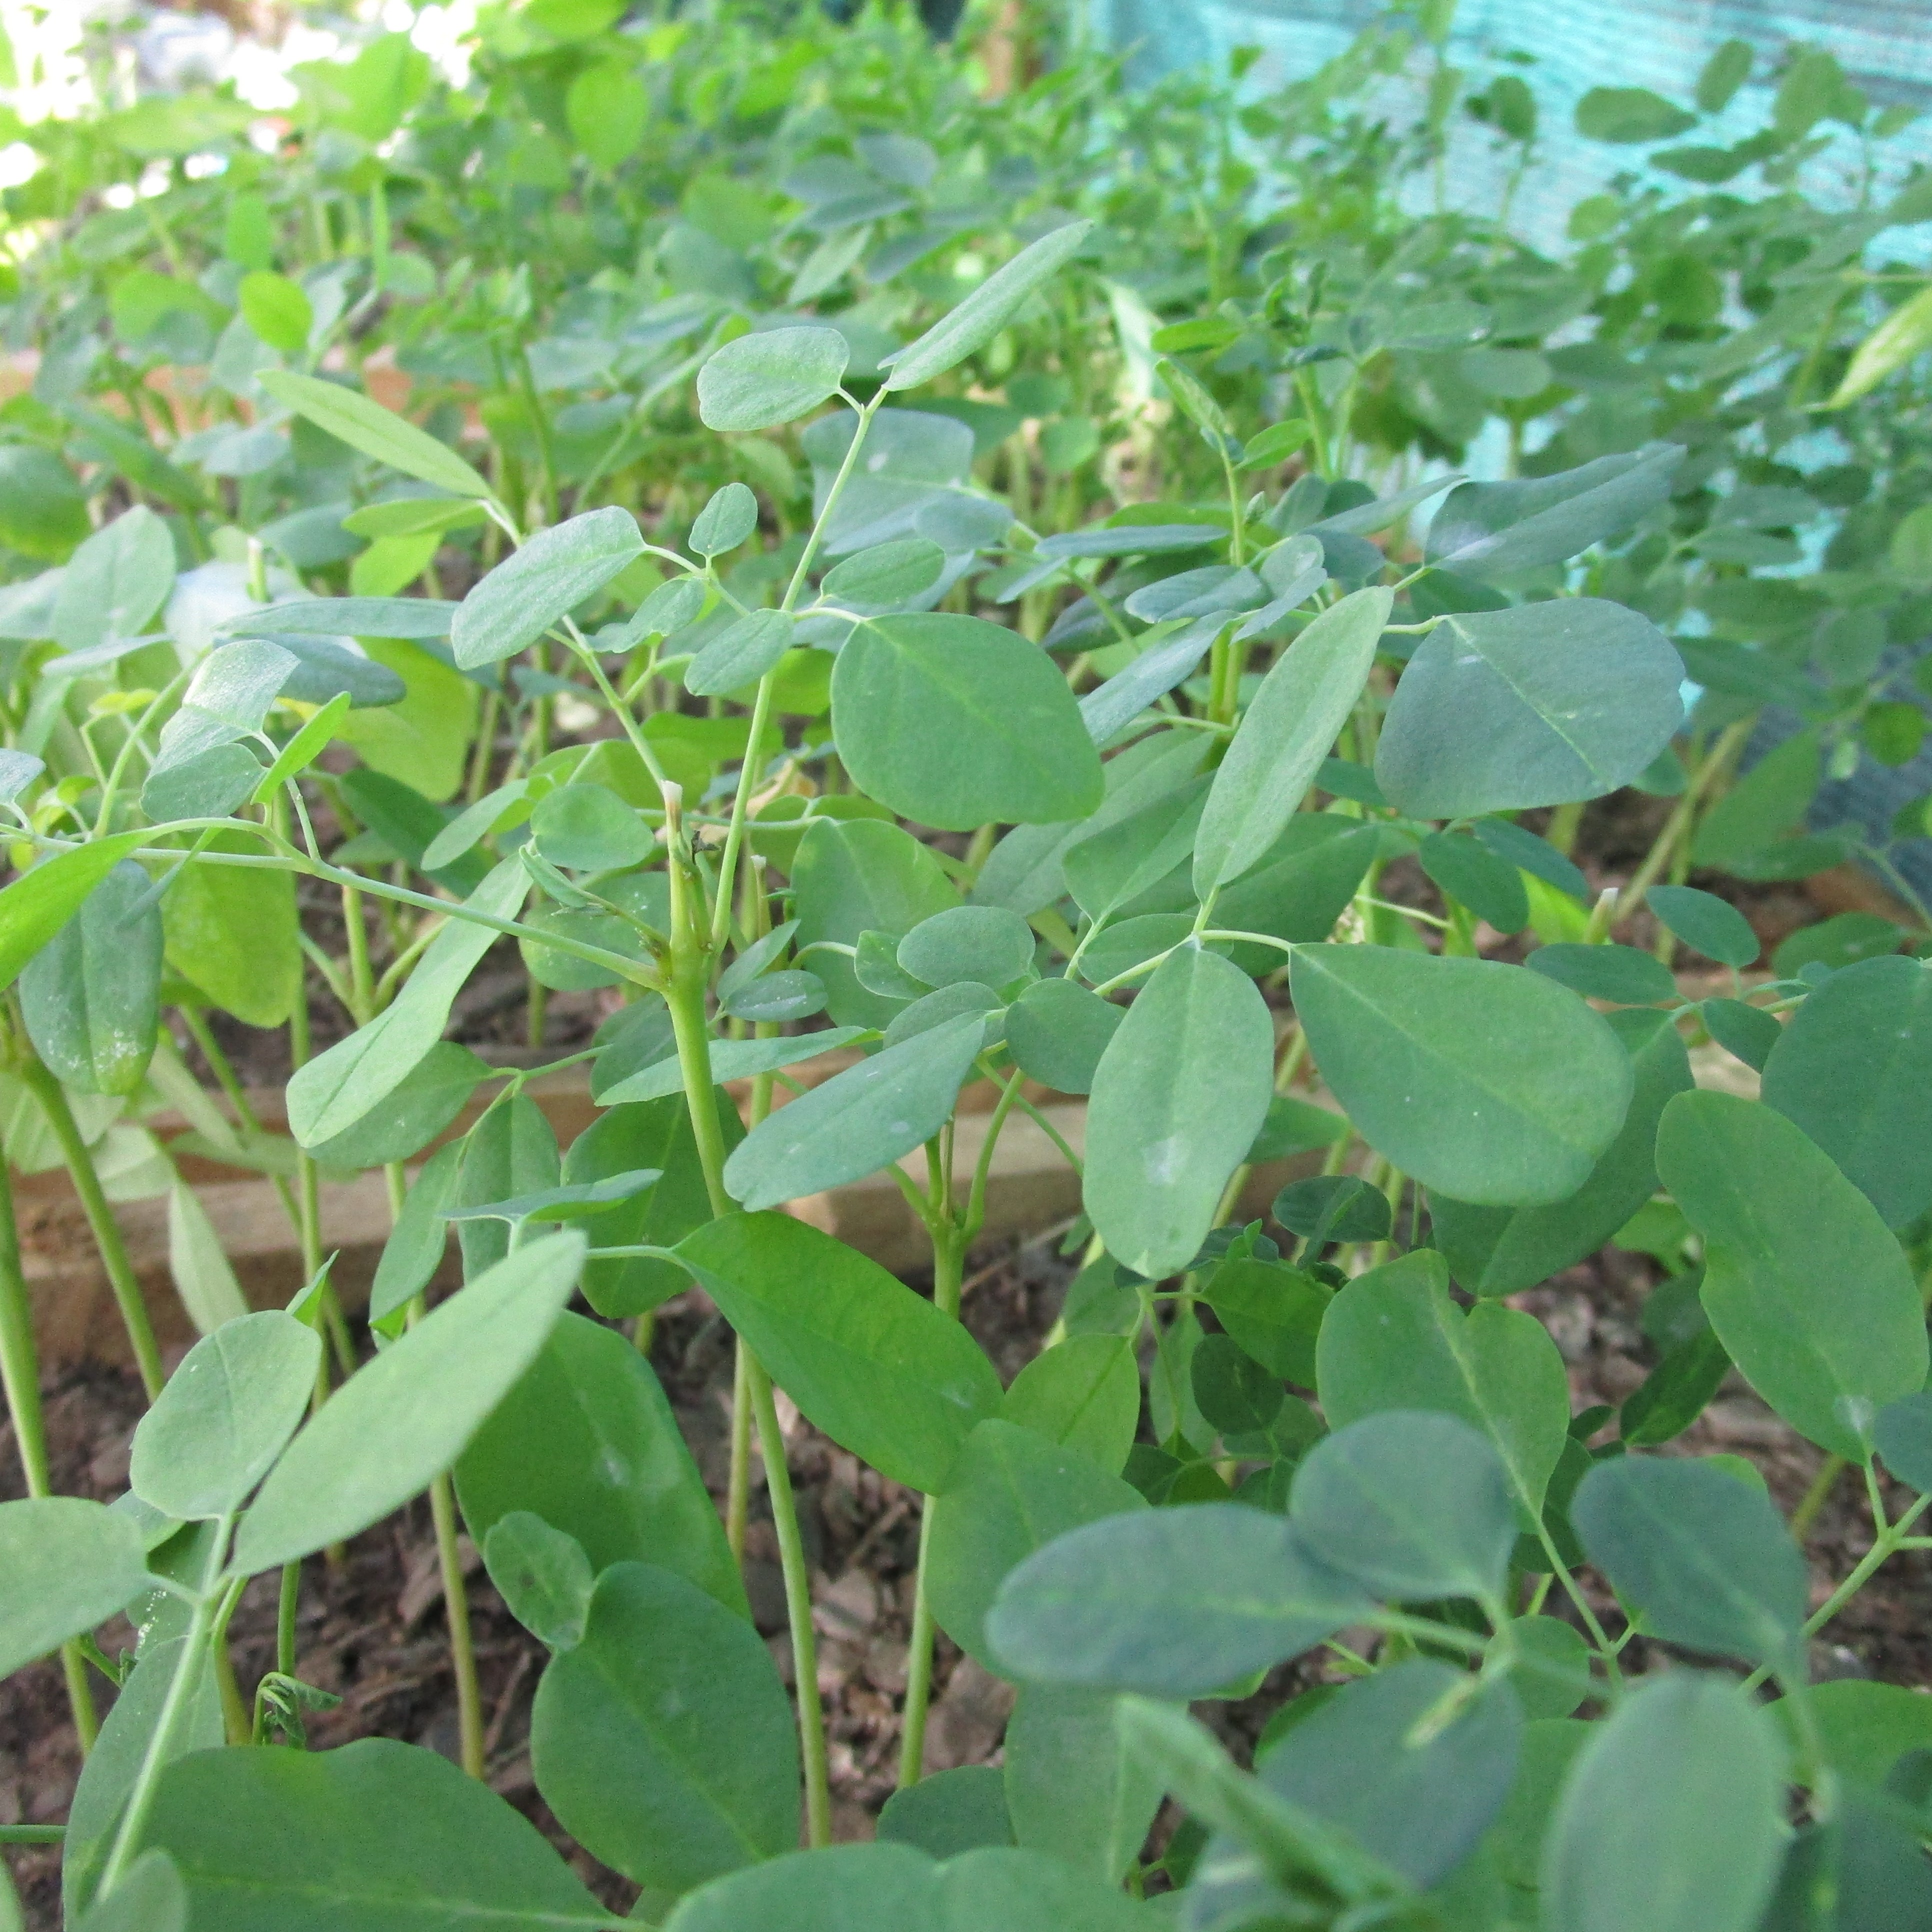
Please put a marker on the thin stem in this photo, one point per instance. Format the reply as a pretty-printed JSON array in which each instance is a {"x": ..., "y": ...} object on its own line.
[
  {"x": 20, "y": 1383},
  {"x": 685, "y": 994},
  {"x": 106, "y": 1232},
  {"x": 738, "y": 1491},
  {"x": 798, "y": 1605},
  {"x": 1816, "y": 1497},
  {"x": 456, "y": 1605},
  {"x": 287, "y": 1610},
  {"x": 948, "y": 1257}
]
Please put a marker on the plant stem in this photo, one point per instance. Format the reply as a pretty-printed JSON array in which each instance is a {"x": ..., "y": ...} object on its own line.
[
  {"x": 798, "y": 1605},
  {"x": 120, "y": 1275},
  {"x": 948, "y": 1261},
  {"x": 20, "y": 1383},
  {"x": 738, "y": 1492},
  {"x": 456, "y": 1605},
  {"x": 287, "y": 1610},
  {"x": 1815, "y": 1498},
  {"x": 685, "y": 986}
]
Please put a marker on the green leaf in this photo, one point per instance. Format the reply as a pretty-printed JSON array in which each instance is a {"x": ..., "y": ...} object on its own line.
[
  {"x": 1396, "y": 1339},
  {"x": 986, "y": 943},
  {"x": 347, "y": 616},
  {"x": 588, "y": 828},
  {"x": 265, "y": 1840},
  {"x": 68, "y": 1565},
  {"x": 773, "y": 376},
  {"x": 35, "y": 906},
  {"x": 951, "y": 1812},
  {"x": 859, "y": 876},
  {"x": 1805, "y": 1286},
  {"x": 663, "y": 1741},
  {"x": 740, "y": 654},
  {"x": 1630, "y": 115},
  {"x": 414, "y": 1252},
  {"x": 115, "y": 582},
  {"x": 1903, "y": 1437},
  {"x": 1376, "y": 1762},
  {"x": 623, "y": 1139},
  {"x": 1010, "y": 1493},
  {"x": 1084, "y": 1392},
  {"x": 43, "y": 514},
  {"x": 1008, "y": 1889},
  {"x": 337, "y": 1088},
  {"x": 1489, "y": 1083},
  {"x": 875, "y": 1888},
  {"x": 1273, "y": 1313},
  {"x": 1057, "y": 1031},
  {"x": 955, "y": 722},
  {"x": 150, "y": 1898},
  {"x": 1488, "y": 530},
  {"x": 276, "y": 310},
  {"x": 1495, "y": 1251},
  {"x": 225, "y": 1415},
  {"x": 543, "y": 1576},
  {"x": 725, "y": 521},
  {"x": 1552, "y": 1671},
  {"x": 1903, "y": 335},
  {"x": 424, "y": 738},
  {"x": 1472, "y": 875},
  {"x": 1179, "y": 1095},
  {"x": 1853, "y": 1068},
  {"x": 1672, "y": 1817},
  {"x": 975, "y": 321},
  {"x": 436, "y": 1089},
  {"x": 354, "y": 419},
  {"x": 590, "y": 1402},
  {"x": 1746, "y": 1032},
  {"x": 731, "y": 1060},
  {"x": 1706, "y": 924},
  {"x": 232, "y": 931},
  {"x": 540, "y": 583},
  {"x": 1175, "y": 1602},
  {"x": 1288, "y": 730},
  {"x": 858, "y": 1120},
  {"x": 1543, "y": 704},
  {"x": 1072, "y": 1788},
  {"x": 887, "y": 573},
  {"x": 1614, "y": 973},
  {"x": 91, "y": 997},
  {"x": 1766, "y": 803},
  {"x": 512, "y": 1151},
  {"x": 1863, "y": 1728},
  {"x": 404, "y": 1418},
  {"x": 1704, "y": 1559},
  {"x": 879, "y": 1369},
  {"x": 1413, "y": 1504}
]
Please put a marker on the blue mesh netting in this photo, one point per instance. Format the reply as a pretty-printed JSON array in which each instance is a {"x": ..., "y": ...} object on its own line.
[{"x": 1884, "y": 46}]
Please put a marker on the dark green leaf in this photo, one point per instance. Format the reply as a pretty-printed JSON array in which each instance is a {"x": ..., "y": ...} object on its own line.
[
  {"x": 1747, "y": 1032},
  {"x": 265, "y": 1840},
  {"x": 740, "y": 654},
  {"x": 954, "y": 722},
  {"x": 725, "y": 522},
  {"x": 1413, "y": 1505},
  {"x": 540, "y": 583},
  {"x": 1630, "y": 115},
  {"x": 1853, "y": 1068},
  {"x": 1706, "y": 924},
  {"x": 1072, "y": 1790},
  {"x": 1488, "y": 1082},
  {"x": 986, "y": 943},
  {"x": 950, "y": 1812},
  {"x": 858, "y": 1120},
  {"x": 1704, "y": 1559},
  {"x": 410, "y": 1116},
  {"x": 1621, "y": 974},
  {"x": 1672, "y": 1817},
  {"x": 1084, "y": 1392},
  {"x": 1543, "y": 704},
  {"x": 879, "y": 1369},
  {"x": 1273, "y": 1313},
  {"x": 1175, "y": 1602},
  {"x": 543, "y": 1576},
  {"x": 1469, "y": 873},
  {"x": 1179, "y": 1094},
  {"x": 664, "y": 1741},
  {"x": 1902, "y": 1435},
  {"x": 1011, "y": 1493},
  {"x": 1056, "y": 1031},
  {"x": 69, "y": 1565},
  {"x": 1803, "y": 1284},
  {"x": 1329, "y": 1207},
  {"x": 586, "y": 1441}
]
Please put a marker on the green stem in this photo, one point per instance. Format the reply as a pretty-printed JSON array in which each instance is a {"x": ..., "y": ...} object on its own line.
[
  {"x": 798, "y": 1605},
  {"x": 287, "y": 1610},
  {"x": 684, "y": 985},
  {"x": 949, "y": 1263},
  {"x": 456, "y": 1606},
  {"x": 1815, "y": 1498},
  {"x": 20, "y": 1383},
  {"x": 114, "y": 1257}
]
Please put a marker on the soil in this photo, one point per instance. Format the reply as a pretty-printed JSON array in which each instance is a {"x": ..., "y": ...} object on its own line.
[{"x": 371, "y": 1626}]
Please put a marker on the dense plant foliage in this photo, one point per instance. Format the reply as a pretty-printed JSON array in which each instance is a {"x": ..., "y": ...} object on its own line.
[{"x": 835, "y": 554}]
